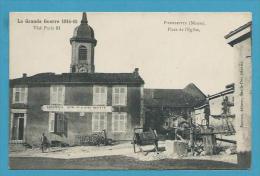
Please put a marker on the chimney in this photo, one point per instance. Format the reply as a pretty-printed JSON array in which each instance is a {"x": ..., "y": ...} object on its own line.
[
  {"x": 24, "y": 75},
  {"x": 136, "y": 72}
]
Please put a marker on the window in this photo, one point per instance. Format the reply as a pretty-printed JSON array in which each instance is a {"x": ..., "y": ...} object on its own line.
[
  {"x": 119, "y": 95},
  {"x": 20, "y": 94},
  {"x": 99, "y": 95},
  {"x": 99, "y": 121},
  {"x": 57, "y": 94},
  {"x": 57, "y": 123},
  {"x": 119, "y": 121},
  {"x": 83, "y": 53}
]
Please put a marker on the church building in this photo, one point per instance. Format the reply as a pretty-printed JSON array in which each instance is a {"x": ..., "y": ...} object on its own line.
[{"x": 81, "y": 102}]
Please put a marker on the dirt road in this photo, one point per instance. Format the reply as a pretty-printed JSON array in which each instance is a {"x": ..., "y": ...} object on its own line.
[{"x": 114, "y": 162}]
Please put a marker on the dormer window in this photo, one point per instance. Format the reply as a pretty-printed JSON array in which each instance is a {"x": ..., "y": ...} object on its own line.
[{"x": 83, "y": 53}]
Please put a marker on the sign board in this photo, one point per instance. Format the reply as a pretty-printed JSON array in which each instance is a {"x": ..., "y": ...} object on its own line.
[{"x": 72, "y": 108}]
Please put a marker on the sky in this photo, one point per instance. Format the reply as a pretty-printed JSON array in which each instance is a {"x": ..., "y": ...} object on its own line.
[{"x": 171, "y": 50}]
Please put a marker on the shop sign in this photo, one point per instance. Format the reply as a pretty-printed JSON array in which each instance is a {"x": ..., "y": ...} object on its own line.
[{"x": 72, "y": 108}]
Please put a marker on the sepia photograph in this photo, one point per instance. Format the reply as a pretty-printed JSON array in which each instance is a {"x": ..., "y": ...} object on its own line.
[{"x": 130, "y": 90}]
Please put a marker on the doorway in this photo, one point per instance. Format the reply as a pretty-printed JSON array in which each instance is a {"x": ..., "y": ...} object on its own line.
[
  {"x": 21, "y": 128},
  {"x": 18, "y": 126}
]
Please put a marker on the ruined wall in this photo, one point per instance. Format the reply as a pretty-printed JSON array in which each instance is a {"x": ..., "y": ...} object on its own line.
[{"x": 216, "y": 104}]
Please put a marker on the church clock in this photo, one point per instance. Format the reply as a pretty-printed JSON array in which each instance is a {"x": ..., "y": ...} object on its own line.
[{"x": 82, "y": 69}]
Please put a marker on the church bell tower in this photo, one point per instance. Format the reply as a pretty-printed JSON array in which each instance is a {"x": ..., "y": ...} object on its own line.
[{"x": 83, "y": 43}]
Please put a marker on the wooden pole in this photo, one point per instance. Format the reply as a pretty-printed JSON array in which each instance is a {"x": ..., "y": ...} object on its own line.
[
  {"x": 209, "y": 141},
  {"x": 191, "y": 137}
]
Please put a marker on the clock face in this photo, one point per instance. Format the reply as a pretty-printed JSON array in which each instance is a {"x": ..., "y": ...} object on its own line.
[{"x": 82, "y": 69}]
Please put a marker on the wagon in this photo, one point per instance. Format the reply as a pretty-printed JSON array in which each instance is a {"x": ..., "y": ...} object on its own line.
[{"x": 142, "y": 138}]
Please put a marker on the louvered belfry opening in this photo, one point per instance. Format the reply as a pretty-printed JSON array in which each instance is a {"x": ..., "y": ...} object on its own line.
[{"x": 83, "y": 53}]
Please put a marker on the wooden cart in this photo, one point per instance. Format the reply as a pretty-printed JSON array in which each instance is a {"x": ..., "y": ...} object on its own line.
[{"x": 142, "y": 138}]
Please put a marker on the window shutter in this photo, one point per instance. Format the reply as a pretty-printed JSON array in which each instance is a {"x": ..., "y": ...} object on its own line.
[
  {"x": 113, "y": 122},
  {"x": 113, "y": 95},
  {"x": 125, "y": 96},
  {"x": 125, "y": 122},
  {"x": 51, "y": 122},
  {"x": 98, "y": 98},
  {"x": 59, "y": 96},
  {"x": 102, "y": 94},
  {"x": 51, "y": 95},
  {"x": 60, "y": 123},
  {"x": 56, "y": 123},
  {"x": 62, "y": 120},
  {"x": 14, "y": 95},
  {"x": 50, "y": 127},
  {"x": 101, "y": 121},
  {"x": 66, "y": 126},
  {"x": 54, "y": 93},
  {"x": 122, "y": 122},
  {"x": 122, "y": 90},
  {"x": 105, "y": 96},
  {"x": 26, "y": 95},
  {"x": 21, "y": 98},
  {"x": 121, "y": 99},
  {"x": 98, "y": 95},
  {"x": 116, "y": 122},
  {"x": 63, "y": 94},
  {"x": 117, "y": 99},
  {"x": 94, "y": 95},
  {"x": 105, "y": 121},
  {"x": 95, "y": 124}
]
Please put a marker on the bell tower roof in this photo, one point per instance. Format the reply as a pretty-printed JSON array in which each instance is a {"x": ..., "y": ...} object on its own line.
[
  {"x": 84, "y": 32},
  {"x": 84, "y": 18},
  {"x": 83, "y": 44}
]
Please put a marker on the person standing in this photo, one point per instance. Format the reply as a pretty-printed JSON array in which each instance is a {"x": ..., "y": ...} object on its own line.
[{"x": 44, "y": 142}]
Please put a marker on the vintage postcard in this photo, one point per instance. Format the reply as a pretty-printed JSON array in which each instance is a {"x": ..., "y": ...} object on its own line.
[{"x": 130, "y": 90}]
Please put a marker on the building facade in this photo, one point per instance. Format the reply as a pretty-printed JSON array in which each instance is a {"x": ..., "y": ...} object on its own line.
[
  {"x": 240, "y": 39},
  {"x": 82, "y": 102}
]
